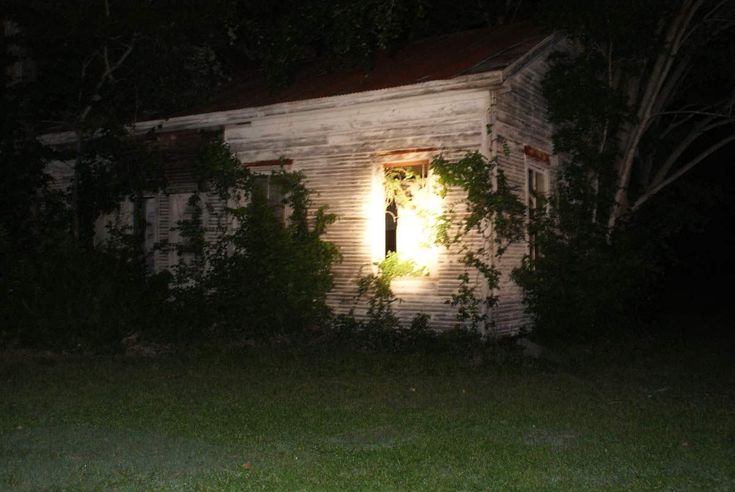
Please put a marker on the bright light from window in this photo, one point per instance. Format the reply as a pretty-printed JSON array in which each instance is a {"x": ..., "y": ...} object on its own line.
[
  {"x": 374, "y": 210},
  {"x": 415, "y": 235},
  {"x": 415, "y": 232}
]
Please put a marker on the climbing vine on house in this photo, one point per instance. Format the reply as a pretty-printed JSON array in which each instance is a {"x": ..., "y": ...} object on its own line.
[
  {"x": 489, "y": 207},
  {"x": 267, "y": 271}
]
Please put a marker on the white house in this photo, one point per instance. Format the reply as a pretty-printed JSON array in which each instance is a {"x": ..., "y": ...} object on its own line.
[{"x": 472, "y": 91}]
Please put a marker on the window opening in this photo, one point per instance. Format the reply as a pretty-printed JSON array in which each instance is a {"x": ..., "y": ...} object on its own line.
[
  {"x": 266, "y": 189},
  {"x": 401, "y": 181},
  {"x": 537, "y": 192}
]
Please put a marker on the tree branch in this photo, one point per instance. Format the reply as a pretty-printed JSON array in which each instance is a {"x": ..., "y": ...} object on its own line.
[
  {"x": 107, "y": 75},
  {"x": 682, "y": 69},
  {"x": 683, "y": 170},
  {"x": 699, "y": 130},
  {"x": 696, "y": 113},
  {"x": 707, "y": 17},
  {"x": 675, "y": 124},
  {"x": 659, "y": 73}
]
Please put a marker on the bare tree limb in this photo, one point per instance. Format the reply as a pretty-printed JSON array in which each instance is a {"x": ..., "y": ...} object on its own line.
[
  {"x": 707, "y": 17},
  {"x": 106, "y": 57},
  {"x": 676, "y": 124},
  {"x": 682, "y": 69},
  {"x": 659, "y": 73},
  {"x": 696, "y": 113},
  {"x": 83, "y": 73},
  {"x": 683, "y": 170},
  {"x": 699, "y": 130},
  {"x": 106, "y": 76}
]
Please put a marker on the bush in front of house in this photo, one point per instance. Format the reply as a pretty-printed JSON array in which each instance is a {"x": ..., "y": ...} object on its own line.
[
  {"x": 268, "y": 271},
  {"x": 65, "y": 297},
  {"x": 374, "y": 335},
  {"x": 583, "y": 289},
  {"x": 266, "y": 274}
]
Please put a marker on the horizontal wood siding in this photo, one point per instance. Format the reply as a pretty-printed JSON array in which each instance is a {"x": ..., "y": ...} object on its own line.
[
  {"x": 342, "y": 152},
  {"x": 342, "y": 143},
  {"x": 521, "y": 120}
]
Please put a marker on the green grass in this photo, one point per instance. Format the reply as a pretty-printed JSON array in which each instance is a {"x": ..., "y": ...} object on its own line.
[{"x": 635, "y": 420}]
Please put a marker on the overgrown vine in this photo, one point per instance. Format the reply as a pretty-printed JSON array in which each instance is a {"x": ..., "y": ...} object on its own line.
[
  {"x": 267, "y": 271},
  {"x": 489, "y": 207},
  {"x": 492, "y": 210}
]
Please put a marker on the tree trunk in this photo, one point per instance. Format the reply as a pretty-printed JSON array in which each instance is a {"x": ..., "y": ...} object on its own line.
[{"x": 653, "y": 86}]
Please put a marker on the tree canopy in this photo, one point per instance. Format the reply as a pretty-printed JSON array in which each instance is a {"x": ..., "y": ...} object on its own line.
[
  {"x": 644, "y": 94},
  {"x": 641, "y": 94}
]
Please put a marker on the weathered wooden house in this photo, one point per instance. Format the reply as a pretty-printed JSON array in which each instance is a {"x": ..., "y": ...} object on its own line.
[{"x": 472, "y": 91}]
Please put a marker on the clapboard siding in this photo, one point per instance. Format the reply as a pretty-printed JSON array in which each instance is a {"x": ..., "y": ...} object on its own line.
[
  {"x": 520, "y": 120},
  {"x": 342, "y": 152},
  {"x": 341, "y": 145}
]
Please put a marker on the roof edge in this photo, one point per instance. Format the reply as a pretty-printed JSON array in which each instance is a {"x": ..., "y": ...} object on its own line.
[
  {"x": 243, "y": 116},
  {"x": 531, "y": 54}
]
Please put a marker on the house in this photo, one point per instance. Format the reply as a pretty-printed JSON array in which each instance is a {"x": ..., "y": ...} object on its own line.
[{"x": 471, "y": 91}]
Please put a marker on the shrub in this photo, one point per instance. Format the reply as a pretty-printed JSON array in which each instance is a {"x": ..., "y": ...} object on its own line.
[
  {"x": 65, "y": 297},
  {"x": 584, "y": 290},
  {"x": 270, "y": 271}
]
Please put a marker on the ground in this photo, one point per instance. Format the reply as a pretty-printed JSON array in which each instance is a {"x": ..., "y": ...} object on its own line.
[{"x": 608, "y": 418}]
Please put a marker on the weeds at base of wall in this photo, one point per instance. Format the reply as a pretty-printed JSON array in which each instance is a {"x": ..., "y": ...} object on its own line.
[{"x": 250, "y": 283}]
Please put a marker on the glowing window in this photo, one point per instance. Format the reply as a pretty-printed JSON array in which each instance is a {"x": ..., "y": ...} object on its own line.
[{"x": 402, "y": 182}]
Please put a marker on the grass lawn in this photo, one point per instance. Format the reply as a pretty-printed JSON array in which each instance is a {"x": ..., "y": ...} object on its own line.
[{"x": 633, "y": 419}]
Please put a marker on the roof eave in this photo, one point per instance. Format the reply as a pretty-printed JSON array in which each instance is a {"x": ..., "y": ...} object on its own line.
[
  {"x": 530, "y": 55},
  {"x": 243, "y": 116}
]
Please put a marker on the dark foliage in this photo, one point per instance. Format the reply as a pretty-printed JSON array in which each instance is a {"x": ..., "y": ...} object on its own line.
[
  {"x": 583, "y": 288},
  {"x": 493, "y": 212},
  {"x": 350, "y": 335},
  {"x": 626, "y": 130},
  {"x": 268, "y": 272},
  {"x": 66, "y": 297}
]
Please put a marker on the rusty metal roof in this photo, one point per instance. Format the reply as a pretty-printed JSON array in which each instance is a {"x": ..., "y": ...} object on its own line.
[{"x": 437, "y": 58}]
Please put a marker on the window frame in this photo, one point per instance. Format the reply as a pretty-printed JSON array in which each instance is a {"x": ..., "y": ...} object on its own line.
[
  {"x": 265, "y": 169},
  {"x": 538, "y": 169},
  {"x": 424, "y": 174}
]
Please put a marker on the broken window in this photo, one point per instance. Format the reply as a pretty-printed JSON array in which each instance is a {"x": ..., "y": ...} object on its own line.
[{"x": 402, "y": 182}]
